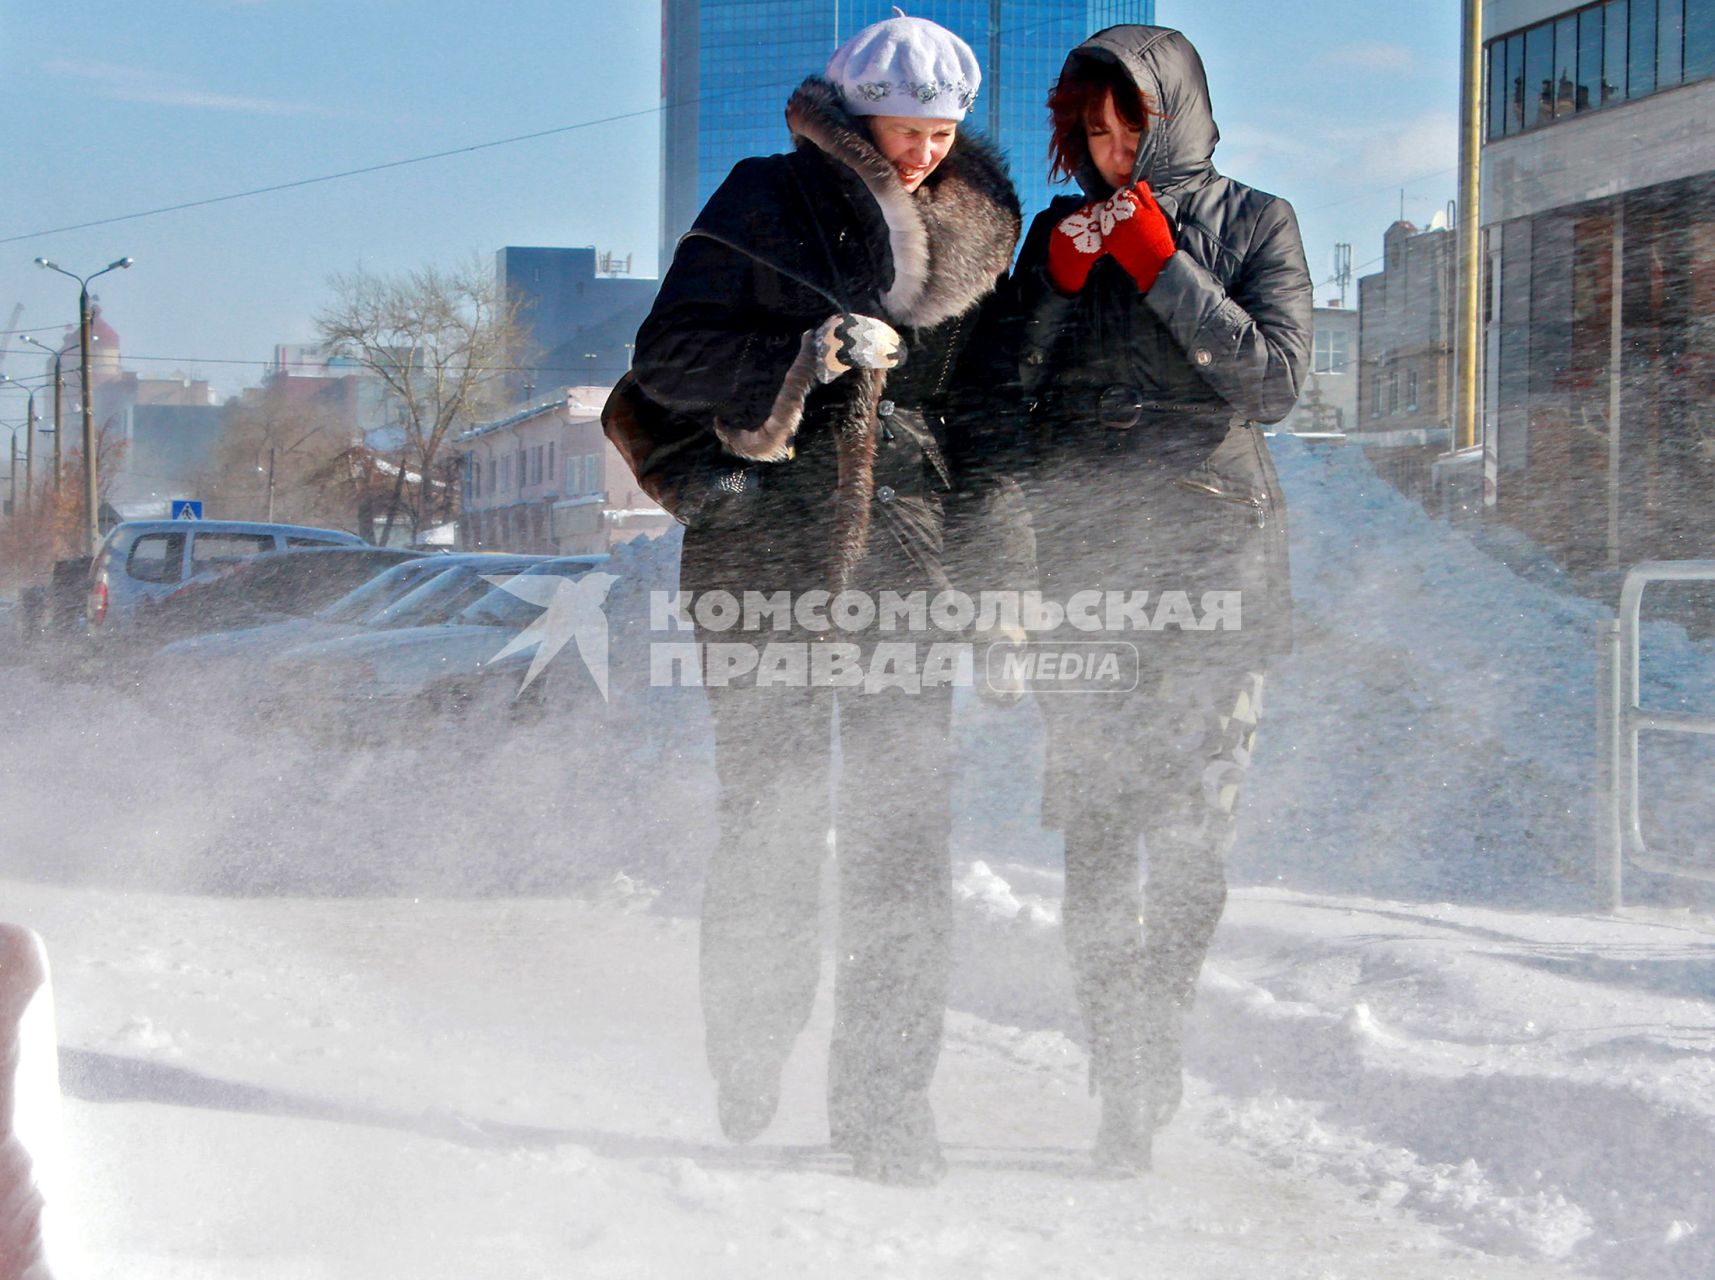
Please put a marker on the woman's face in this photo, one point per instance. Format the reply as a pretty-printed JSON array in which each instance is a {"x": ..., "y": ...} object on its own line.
[
  {"x": 914, "y": 147},
  {"x": 1113, "y": 143}
]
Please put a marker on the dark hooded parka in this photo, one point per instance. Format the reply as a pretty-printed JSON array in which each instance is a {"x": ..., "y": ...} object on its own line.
[
  {"x": 1144, "y": 406},
  {"x": 1149, "y": 475},
  {"x": 781, "y": 481}
]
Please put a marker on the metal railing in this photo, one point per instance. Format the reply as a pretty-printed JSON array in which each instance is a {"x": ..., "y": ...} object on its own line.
[{"x": 1621, "y": 719}]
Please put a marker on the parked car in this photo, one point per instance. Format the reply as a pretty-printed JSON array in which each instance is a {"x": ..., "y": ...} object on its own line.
[
  {"x": 215, "y": 666},
  {"x": 143, "y": 560},
  {"x": 447, "y": 595},
  {"x": 263, "y": 589},
  {"x": 413, "y": 682}
]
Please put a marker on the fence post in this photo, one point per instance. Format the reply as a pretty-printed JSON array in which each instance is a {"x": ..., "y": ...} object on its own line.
[{"x": 1610, "y": 726}]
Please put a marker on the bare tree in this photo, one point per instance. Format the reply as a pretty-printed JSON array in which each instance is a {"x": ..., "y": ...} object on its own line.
[
  {"x": 52, "y": 527},
  {"x": 440, "y": 340},
  {"x": 273, "y": 462}
]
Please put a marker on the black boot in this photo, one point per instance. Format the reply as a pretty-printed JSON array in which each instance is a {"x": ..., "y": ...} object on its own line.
[
  {"x": 900, "y": 1149},
  {"x": 1126, "y": 1137},
  {"x": 746, "y": 1098},
  {"x": 1138, "y": 1069}
]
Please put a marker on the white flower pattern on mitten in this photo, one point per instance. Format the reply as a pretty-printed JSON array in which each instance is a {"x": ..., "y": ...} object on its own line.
[{"x": 1088, "y": 227}]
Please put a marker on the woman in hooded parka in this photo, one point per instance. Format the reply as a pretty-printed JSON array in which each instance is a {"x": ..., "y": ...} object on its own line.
[
  {"x": 1164, "y": 312},
  {"x": 792, "y": 402}
]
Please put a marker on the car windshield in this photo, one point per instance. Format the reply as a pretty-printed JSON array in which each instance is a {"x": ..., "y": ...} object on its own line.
[
  {"x": 499, "y": 607},
  {"x": 446, "y": 595},
  {"x": 375, "y": 595},
  {"x": 293, "y": 584}
]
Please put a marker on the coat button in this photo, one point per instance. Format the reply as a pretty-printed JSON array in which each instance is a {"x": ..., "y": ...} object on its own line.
[
  {"x": 884, "y": 494},
  {"x": 885, "y": 408},
  {"x": 1202, "y": 357}
]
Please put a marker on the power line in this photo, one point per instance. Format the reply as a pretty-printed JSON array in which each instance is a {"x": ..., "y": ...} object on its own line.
[
  {"x": 343, "y": 371},
  {"x": 331, "y": 177},
  {"x": 437, "y": 155},
  {"x": 1384, "y": 186}
]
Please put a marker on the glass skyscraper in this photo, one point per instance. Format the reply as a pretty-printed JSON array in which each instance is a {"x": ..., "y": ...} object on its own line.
[{"x": 728, "y": 66}]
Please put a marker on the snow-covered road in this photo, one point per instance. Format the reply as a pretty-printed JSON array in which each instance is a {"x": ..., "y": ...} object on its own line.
[{"x": 298, "y": 1088}]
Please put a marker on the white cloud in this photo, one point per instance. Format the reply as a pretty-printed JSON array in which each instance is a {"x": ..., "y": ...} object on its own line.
[
  {"x": 1409, "y": 149},
  {"x": 134, "y": 84},
  {"x": 1372, "y": 55}
]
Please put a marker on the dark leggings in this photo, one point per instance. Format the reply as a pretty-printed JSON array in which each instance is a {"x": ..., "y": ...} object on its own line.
[
  {"x": 761, "y": 947},
  {"x": 1165, "y": 766}
]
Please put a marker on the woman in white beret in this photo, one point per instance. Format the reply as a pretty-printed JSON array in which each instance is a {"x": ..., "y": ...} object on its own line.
[{"x": 793, "y": 403}]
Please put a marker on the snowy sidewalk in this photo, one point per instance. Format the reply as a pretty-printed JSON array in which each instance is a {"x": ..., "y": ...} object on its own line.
[{"x": 515, "y": 1089}]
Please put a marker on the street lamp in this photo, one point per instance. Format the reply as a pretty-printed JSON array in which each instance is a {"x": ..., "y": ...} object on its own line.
[
  {"x": 59, "y": 399},
  {"x": 92, "y": 515},
  {"x": 29, "y": 437},
  {"x": 12, "y": 501}
]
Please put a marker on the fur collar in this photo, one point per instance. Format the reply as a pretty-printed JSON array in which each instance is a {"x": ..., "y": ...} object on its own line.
[{"x": 950, "y": 238}]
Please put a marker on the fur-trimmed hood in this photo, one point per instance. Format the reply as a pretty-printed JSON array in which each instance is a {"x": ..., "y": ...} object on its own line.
[{"x": 951, "y": 238}]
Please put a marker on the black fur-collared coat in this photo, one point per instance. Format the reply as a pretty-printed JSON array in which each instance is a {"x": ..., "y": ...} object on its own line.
[{"x": 788, "y": 484}]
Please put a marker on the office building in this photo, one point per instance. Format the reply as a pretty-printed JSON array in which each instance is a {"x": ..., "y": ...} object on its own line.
[
  {"x": 578, "y": 309},
  {"x": 1598, "y": 213},
  {"x": 728, "y": 67}
]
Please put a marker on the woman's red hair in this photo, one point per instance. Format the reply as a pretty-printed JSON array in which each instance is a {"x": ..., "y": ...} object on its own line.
[{"x": 1075, "y": 97}]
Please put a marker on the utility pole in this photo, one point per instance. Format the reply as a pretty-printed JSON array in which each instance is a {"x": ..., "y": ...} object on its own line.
[
  {"x": 1343, "y": 269},
  {"x": 59, "y": 405},
  {"x": 1466, "y": 336},
  {"x": 91, "y": 499},
  {"x": 271, "y": 452}
]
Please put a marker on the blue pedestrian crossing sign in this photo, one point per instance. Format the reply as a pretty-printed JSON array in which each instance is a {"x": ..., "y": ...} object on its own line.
[{"x": 187, "y": 509}]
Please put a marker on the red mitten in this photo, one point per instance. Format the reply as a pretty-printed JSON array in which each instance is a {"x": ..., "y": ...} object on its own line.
[
  {"x": 1075, "y": 248},
  {"x": 1138, "y": 236}
]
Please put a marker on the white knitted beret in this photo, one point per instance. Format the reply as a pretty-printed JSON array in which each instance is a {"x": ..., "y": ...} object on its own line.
[{"x": 906, "y": 67}]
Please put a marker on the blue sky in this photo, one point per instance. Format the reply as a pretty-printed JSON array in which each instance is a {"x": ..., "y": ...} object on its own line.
[{"x": 114, "y": 108}]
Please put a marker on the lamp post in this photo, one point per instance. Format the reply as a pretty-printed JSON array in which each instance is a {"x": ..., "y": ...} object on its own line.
[
  {"x": 92, "y": 514},
  {"x": 59, "y": 402},
  {"x": 29, "y": 437},
  {"x": 12, "y": 500}
]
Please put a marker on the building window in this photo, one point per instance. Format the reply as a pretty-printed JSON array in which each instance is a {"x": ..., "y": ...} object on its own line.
[
  {"x": 592, "y": 473},
  {"x": 1376, "y": 396},
  {"x": 1332, "y": 351},
  {"x": 1699, "y": 39},
  {"x": 1594, "y": 56},
  {"x": 493, "y": 486},
  {"x": 571, "y": 484},
  {"x": 1590, "y": 54},
  {"x": 536, "y": 465},
  {"x": 1565, "y": 92},
  {"x": 1669, "y": 42},
  {"x": 1614, "y": 51},
  {"x": 1411, "y": 391},
  {"x": 1392, "y": 394},
  {"x": 552, "y": 470},
  {"x": 1640, "y": 63}
]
